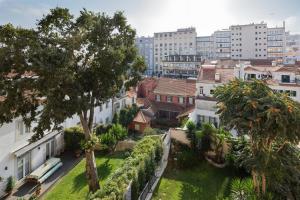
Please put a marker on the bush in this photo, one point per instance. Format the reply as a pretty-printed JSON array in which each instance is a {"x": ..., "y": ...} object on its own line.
[
  {"x": 73, "y": 137},
  {"x": 10, "y": 184},
  {"x": 115, "y": 133},
  {"x": 136, "y": 169},
  {"x": 101, "y": 129},
  {"x": 186, "y": 159}
]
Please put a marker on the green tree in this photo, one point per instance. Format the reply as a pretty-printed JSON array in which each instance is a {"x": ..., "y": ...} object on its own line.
[
  {"x": 114, "y": 134},
  {"x": 268, "y": 118},
  {"x": 71, "y": 65},
  {"x": 191, "y": 131},
  {"x": 115, "y": 119}
]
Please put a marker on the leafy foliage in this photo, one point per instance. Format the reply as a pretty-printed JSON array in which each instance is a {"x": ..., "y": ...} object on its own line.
[
  {"x": 73, "y": 137},
  {"x": 66, "y": 66},
  {"x": 127, "y": 115},
  {"x": 138, "y": 168},
  {"x": 269, "y": 119},
  {"x": 191, "y": 133},
  {"x": 114, "y": 134},
  {"x": 10, "y": 184}
]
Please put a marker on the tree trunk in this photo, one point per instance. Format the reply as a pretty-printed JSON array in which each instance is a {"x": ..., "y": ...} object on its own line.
[
  {"x": 91, "y": 171},
  {"x": 264, "y": 183},
  {"x": 91, "y": 168},
  {"x": 255, "y": 182}
]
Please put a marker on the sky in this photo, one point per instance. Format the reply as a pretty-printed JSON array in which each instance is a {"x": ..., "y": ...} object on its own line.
[{"x": 149, "y": 16}]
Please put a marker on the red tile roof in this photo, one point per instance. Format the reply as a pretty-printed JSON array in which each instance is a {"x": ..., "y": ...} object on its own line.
[
  {"x": 207, "y": 74},
  {"x": 169, "y": 86},
  {"x": 141, "y": 117}
]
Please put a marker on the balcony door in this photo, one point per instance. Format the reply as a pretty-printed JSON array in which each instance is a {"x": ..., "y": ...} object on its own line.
[
  {"x": 23, "y": 165},
  {"x": 49, "y": 149}
]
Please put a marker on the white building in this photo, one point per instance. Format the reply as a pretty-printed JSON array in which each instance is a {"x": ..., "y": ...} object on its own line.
[
  {"x": 292, "y": 53},
  {"x": 276, "y": 40},
  {"x": 249, "y": 41},
  {"x": 180, "y": 42},
  {"x": 222, "y": 44},
  {"x": 279, "y": 78}
]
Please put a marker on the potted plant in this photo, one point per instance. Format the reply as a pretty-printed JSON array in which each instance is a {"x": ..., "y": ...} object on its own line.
[{"x": 10, "y": 184}]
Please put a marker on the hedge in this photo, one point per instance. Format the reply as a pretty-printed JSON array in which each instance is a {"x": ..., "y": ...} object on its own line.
[
  {"x": 73, "y": 136},
  {"x": 136, "y": 169}
]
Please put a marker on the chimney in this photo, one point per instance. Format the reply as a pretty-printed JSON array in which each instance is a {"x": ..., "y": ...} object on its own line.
[{"x": 217, "y": 77}]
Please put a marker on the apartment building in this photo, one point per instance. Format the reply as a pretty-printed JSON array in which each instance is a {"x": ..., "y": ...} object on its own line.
[
  {"x": 283, "y": 79},
  {"x": 249, "y": 41},
  {"x": 222, "y": 44},
  {"x": 276, "y": 40},
  {"x": 205, "y": 47},
  {"x": 181, "y": 66},
  {"x": 292, "y": 54},
  {"x": 180, "y": 42},
  {"x": 145, "y": 48}
]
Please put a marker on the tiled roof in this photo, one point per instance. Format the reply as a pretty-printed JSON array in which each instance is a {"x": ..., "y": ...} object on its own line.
[
  {"x": 141, "y": 117},
  {"x": 170, "y": 86},
  {"x": 207, "y": 74}
]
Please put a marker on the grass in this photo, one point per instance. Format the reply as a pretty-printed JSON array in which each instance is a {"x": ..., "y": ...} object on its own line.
[
  {"x": 202, "y": 182},
  {"x": 74, "y": 184}
]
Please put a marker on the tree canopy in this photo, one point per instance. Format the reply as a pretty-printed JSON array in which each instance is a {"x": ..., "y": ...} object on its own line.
[{"x": 66, "y": 66}]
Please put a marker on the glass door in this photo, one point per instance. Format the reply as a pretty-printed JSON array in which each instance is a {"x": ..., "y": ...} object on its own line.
[{"x": 23, "y": 166}]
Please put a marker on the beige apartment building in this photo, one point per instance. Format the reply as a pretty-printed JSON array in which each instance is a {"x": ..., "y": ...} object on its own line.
[{"x": 180, "y": 42}]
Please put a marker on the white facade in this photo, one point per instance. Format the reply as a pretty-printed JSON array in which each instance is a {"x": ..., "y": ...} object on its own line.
[
  {"x": 222, "y": 44},
  {"x": 249, "y": 41},
  {"x": 292, "y": 52},
  {"x": 276, "y": 43},
  {"x": 280, "y": 78},
  {"x": 180, "y": 42}
]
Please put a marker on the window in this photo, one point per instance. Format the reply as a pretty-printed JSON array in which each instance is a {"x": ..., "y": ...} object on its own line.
[
  {"x": 201, "y": 90},
  {"x": 293, "y": 93},
  {"x": 251, "y": 76},
  {"x": 106, "y": 120},
  {"x": 169, "y": 99},
  {"x": 285, "y": 78},
  {"x": 191, "y": 100},
  {"x": 23, "y": 166},
  {"x": 181, "y": 100},
  {"x": 100, "y": 108},
  {"x": 137, "y": 127},
  {"x": 212, "y": 91},
  {"x": 107, "y": 103},
  {"x": 157, "y": 97}
]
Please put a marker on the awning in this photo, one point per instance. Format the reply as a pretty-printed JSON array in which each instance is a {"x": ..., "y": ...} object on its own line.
[{"x": 31, "y": 146}]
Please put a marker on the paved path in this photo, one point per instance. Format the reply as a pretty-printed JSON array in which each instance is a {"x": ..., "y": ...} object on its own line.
[{"x": 28, "y": 189}]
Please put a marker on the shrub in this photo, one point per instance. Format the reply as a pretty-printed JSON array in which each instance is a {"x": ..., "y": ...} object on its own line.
[
  {"x": 136, "y": 169},
  {"x": 10, "y": 184},
  {"x": 101, "y": 129},
  {"x": 149, "y": 131},
  {"x": 73, "y": 137},
  {"x": 186, "y": 159},
  {"x": 114, "y": 134}
]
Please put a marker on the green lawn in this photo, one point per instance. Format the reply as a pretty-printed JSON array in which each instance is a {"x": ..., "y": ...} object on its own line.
[
  {"x": 202, "y": 182},
  {"x": 74, "y": 185}
]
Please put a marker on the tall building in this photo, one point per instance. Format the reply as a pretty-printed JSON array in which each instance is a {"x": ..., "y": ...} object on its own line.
[
  {"x": 276, "y": 38},
  {"x": 292, "y": 51},
  {"x": 145, "y": 47},
  {"x": 180, "y": 42},
  {"x": 205, "y": 47},
  {"x": 249, "y": 41},
  {"x": 222, "y": 44}
]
